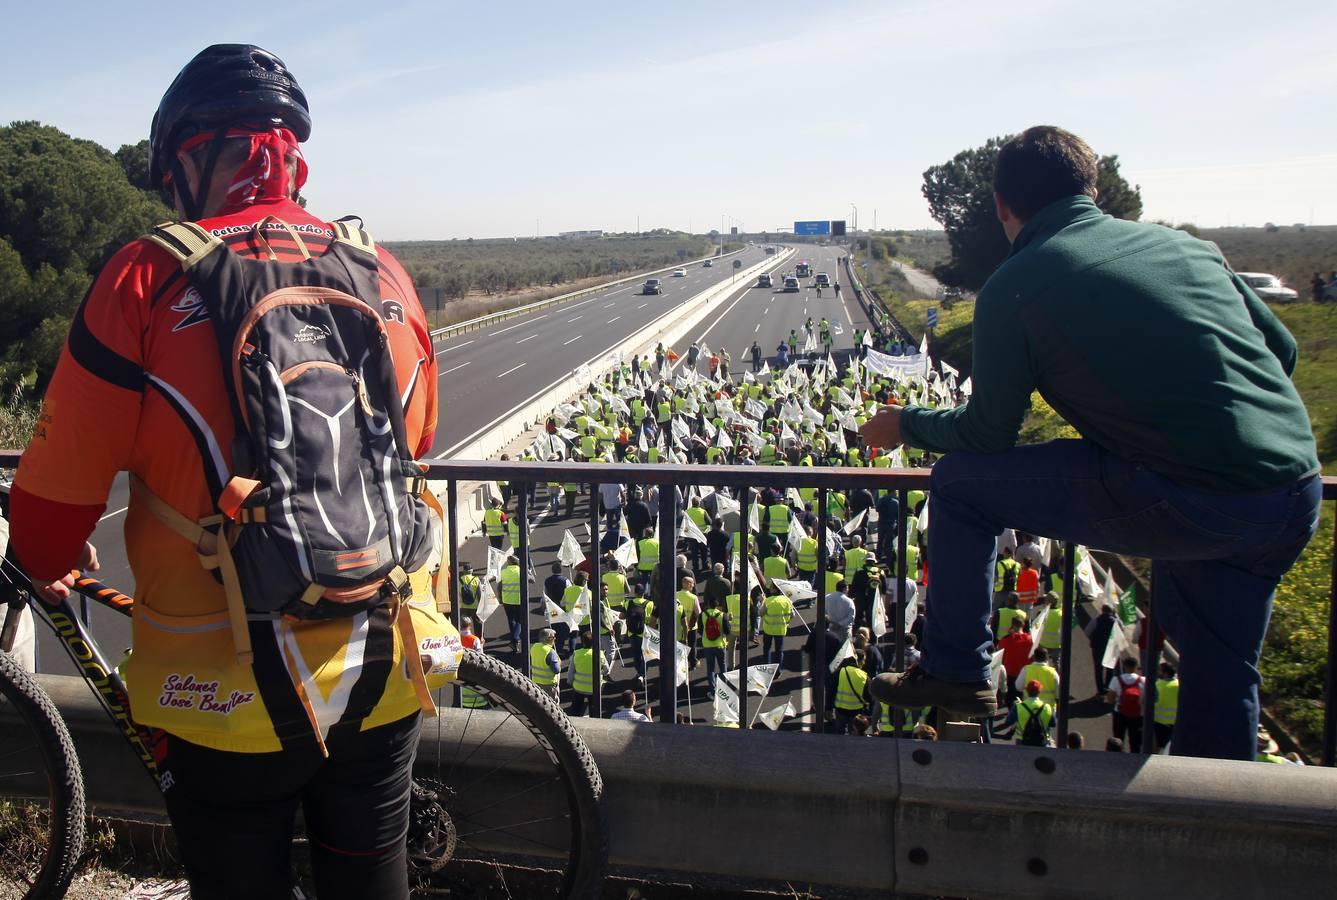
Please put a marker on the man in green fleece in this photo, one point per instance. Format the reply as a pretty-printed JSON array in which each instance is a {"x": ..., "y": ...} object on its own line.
[{"x": 1196, "y": 450}]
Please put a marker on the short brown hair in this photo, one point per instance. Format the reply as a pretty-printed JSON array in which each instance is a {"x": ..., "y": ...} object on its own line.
[{"x": 1041, "y": 165}]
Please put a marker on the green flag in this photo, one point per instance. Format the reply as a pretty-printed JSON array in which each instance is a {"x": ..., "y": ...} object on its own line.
[{"x": 1128, "y": 605}]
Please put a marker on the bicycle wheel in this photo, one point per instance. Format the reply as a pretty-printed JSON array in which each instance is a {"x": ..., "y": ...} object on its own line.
[
  {"x": 517, "y": 785},
  {"x": 41, "y": 791}
]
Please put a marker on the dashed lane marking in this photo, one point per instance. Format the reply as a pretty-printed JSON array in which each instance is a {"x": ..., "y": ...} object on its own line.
[
  {"x": 460, "y": 366},
  {"x": 456, "y": 347},
  {"x": 509, "y": 371},
  {"x": 529, "y": 338},
  {"x": 572, "y": 341}
]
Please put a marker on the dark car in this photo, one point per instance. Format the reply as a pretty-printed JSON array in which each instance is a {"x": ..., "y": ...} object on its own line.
[
  {"x": 652, "y": 286},
  {"x": 764, "y": 279}
]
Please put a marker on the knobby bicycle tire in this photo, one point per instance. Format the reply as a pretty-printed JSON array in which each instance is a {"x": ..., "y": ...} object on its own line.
[
  {"x": 51, "y": 738},
  {"x": 581, "y": 780}
]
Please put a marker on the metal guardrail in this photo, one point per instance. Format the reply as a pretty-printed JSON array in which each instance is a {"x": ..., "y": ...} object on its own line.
[
  {"x": 450, "y": 331},
  {"x": 746, "y": 481},
  {"x": 896, "y": 818}
]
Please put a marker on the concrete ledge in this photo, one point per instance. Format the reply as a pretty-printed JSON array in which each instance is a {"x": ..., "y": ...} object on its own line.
[{"x": 882, "y": 815}]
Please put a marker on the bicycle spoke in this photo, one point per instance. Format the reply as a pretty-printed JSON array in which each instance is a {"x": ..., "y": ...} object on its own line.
[
  {"x": 481, "y": 778},
  {"x": 482, "y": 743},
  {"x": 502, "y": 829},
  {"x": 482, "y": 809}
]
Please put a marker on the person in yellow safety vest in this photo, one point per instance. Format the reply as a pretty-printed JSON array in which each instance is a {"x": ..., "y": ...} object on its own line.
[
  {"x": 494, "y": 524},
  {"x": 1034, "y": 708},
  {"x": 615, "y": 581},
  {"x": 647, "y": 553},
  {"x": 701, "y": 519},
  {"x": 852, "y": 696},
  {"x": 1167, "y": 705},
  {"x": 909, "y": 719},
  {"x": 836, "y": 506},
  {"x": 1005, "y": 573},
  {"x": 807, "y": 557},
  {"x": 471, "y": 591},
  {"x": 855, "y": 556},
  {"x": 589, "y": 444},
  {"x": 776, "y": 614},
  {"x": 1006, "y": 613},
  {"x": 774, "y": 567},
  {"x": 1052, "y": 638},
  {"x": 687, "y": 608},
  {"x": 882, "y": 461},
  {"x": 513, "y": 531},
  {"x": 853, "y": 457},
  {"x": 714, "y": 621},
  {"x": 571, "y": 595},
  {"x": 664, "y": 412},
  {"x": 913, "y": 501},
  {"x": 583, "y": 675},
  {"x": 913, "y": 571},
  {"x": 767, "y": 455},
  {"x": 1039, "y": 670},
  {"x": 1267, "y": 749},
  {"x": 714, "y": 455},
  {"x": 777, "y": 515},
  {"x": 545, "y": 666},
  {"x": 509, "y": 579},
  {"x": 652, "y": 455}
]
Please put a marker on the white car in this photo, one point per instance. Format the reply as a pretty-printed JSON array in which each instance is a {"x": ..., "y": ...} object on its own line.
[
  {"x": 679, "y": 273},
  {"x": 1268, "y": 287},
  {"x": 822, "y": 280},
  {"x": 791, "y": 285}
]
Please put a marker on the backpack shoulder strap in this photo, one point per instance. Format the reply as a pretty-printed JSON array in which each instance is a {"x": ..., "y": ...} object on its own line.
[
  {"x": 187, "y": 242},
  {"x": 346, "y": 232}
]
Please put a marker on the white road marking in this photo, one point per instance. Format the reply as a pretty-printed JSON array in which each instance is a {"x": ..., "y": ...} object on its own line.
[
  {"x": 614, "y": 319},
  {"x": 573, "y": 318},
  {"x": 509, "y": 371},
  {"x": 607, "y": 305},
  {"x": 643, "y": 306},
  {"x": 460, "y": 366},
  {"x": 456, "y": 347},
  {"x": 767, "y": 312},
  {"x": 529, "y": 338},
  {"x": 509, "y": 327},
  {"x": 572, "y": 341},
  {"x": 758, "y": 328}
]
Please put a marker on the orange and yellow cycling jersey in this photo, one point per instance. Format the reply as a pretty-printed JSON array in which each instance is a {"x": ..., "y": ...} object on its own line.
[{"x": 140, "y": 375}]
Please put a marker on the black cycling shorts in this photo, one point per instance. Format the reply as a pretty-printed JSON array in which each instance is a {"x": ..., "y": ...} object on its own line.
[{"x": 234, "y": 815}]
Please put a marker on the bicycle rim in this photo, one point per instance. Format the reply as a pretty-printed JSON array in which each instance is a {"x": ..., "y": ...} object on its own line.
[
  {"x": 41, "y": 791},
  {"x": 519, "y": 785}
]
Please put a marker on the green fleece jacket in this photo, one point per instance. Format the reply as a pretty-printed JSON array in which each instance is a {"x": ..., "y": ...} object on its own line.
[{"x": 1145, "y": 341}]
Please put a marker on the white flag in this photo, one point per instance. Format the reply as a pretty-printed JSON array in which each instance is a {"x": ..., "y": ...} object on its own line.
[
  {"x": 495, "y": 560},
  {"x": 554, "y": 612},
  {"x": 997, "y": 674},
  {"x": 796, "y": 533},
  {"x": 650, "y": 643},
  {"x": 794, "y": 590},
  {"x": 1038, "y": 628},
  {"x": 759, "y": 678},
  {"x": 867, "y": 339},
  {"x": 726, "y": 703},
  {"x": 680, "y": 669},
  {"x": 570, "y": 553},
  {"x": 690, "y": 531},
  {"x": 765, "y": 369},
  {"x": 487, "y": 602},
  {"x": 772, "y": 719},
  {"x": 722, "y": 439},
  {"x": 1118, "y": 644},
  {"x": 879, "y": 614},
  {"x": 642, "y": 445},
  {"x": 853, "y": 524},
  {"x": 845, "y": 652}
]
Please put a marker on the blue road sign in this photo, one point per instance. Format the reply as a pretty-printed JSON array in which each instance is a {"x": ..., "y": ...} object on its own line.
[
  {"x": 932, "y": 317},
  {"x": 812, "y": 228}
]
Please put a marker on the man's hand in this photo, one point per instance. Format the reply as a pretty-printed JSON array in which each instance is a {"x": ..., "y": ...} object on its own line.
[
  {"x": 54, "y": 592},
  {"x": 884, "y": 429}
]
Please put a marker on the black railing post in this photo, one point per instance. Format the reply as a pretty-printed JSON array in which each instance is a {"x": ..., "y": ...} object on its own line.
[
  {"x": 665, "y": 609},
  {"x": 1150, "y": 668},
  {"x": 453, "y": 544},
  {"x": 596, "y": 605},
  {"x": 1330, "y": 681},
  {"x": 1065, "y": 649},
  {"x": 902, "y": 573},
  {"x": 819, "y": 621},
  {"x": 522, "y": 513},
  {"x": 744, "y": 601}
]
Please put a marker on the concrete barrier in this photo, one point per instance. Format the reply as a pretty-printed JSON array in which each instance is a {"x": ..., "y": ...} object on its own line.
[{"x": 886, "y": 816}]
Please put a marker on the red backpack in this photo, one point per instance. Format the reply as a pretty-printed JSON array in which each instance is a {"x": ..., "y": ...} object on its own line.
[
  {"x": 1130, "y": 699},
  {"x": 714, "y": 628}
]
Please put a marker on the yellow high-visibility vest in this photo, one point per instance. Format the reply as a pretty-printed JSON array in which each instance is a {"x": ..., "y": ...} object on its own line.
[
  {"x": 1167, "y": 701},
  {"x": 510, "y": 584},
  {"x": 582, "y": 671},
  {"x": 807, "y": 554},
  {"x": 1048, "y": 678},
  {"x": 647, "y": 554},
  {"x": 541, "y": 672},
  {"x": 850, "y": 687},
  {"x": 778, "y": 515},
  {"x": 494, "y": 522},
  {"x": 776, "y": 615}
]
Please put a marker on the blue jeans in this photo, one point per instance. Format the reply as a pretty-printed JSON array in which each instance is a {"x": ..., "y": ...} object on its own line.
[
  {"x": 1217, "y": 559},
  {"x": 714, "y": 657},
  {"x": 514, "y": 620},
  {"x": 772, "y": 642}
]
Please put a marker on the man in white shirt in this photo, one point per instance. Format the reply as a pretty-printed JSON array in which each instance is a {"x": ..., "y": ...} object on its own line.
[
  {"x": 1128, "y": 711},
  {"x": 627, "y": 711},
  {"x": 611, "y": 495},
  {"x": 840, "y": 609}
]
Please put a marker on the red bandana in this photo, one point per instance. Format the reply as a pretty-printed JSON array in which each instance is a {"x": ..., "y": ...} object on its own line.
[{"x": 264, "y": 174}]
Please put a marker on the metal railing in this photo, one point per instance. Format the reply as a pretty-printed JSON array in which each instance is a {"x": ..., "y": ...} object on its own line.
[
  {"x": 449, "y": 331},
  {"x": 745, "y": 481}
]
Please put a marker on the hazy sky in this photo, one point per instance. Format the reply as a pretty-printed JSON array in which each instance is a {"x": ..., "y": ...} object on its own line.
[{"x": 438, "y": 120}]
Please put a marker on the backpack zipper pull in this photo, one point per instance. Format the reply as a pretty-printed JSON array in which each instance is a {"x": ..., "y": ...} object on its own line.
[{"x": 361, "y": 388}]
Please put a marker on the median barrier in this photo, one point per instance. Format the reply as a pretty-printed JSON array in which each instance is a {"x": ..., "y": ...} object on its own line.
[
  {"x": 493, "y": 438},
  {"x": 450, "y": 331},
  {"x": 881, "y": 815}
]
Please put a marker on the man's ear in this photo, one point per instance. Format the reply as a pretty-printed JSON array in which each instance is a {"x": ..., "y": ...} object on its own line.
[{"x": 1001, "y": 209}]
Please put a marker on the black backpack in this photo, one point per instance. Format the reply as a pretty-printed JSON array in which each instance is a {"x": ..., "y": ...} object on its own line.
[
  {"x": 1035, "y": 734},
  {"x": 635, "y": 617},
  {"x": 325, "y": 510}
]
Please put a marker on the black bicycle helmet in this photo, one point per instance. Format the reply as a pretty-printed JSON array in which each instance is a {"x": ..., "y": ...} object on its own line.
[{"x": 225, "y": 85}]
